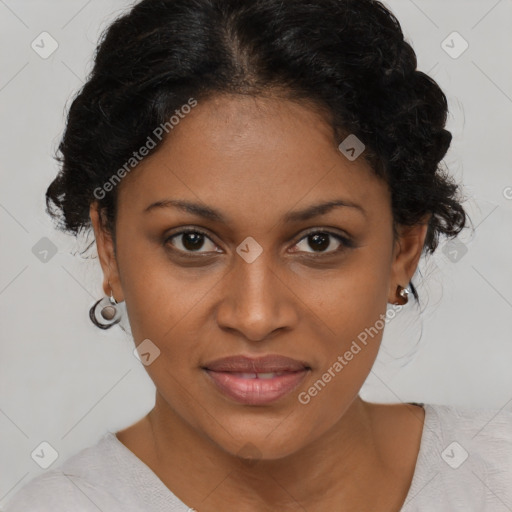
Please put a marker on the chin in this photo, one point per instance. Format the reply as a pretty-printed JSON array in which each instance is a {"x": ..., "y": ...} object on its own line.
[{"x": 267, "y": 444}]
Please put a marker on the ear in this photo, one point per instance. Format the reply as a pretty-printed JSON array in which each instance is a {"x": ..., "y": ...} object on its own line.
[
  {"x": 406, "y": 254},
  {"x": 106, "y": 254}
]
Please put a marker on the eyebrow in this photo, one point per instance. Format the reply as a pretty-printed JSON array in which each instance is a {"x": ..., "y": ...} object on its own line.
[{"x": 295, "y": 216}]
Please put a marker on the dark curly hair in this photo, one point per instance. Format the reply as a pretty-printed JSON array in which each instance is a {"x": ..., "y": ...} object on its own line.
[{"x": 346, "y": 57}]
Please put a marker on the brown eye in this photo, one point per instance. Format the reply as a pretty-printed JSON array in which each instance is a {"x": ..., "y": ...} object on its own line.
[
  {"x": 322, "y": 242},
  {"x": 192, "y": 241}
]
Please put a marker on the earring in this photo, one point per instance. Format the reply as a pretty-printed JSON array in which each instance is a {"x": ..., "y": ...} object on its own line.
[
  {"x": 403, "y": 293},
  {"x": 108, "y": 314}
]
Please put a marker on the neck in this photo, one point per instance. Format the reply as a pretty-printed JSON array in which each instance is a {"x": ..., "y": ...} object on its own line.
[{"x": 333, "y": 468}]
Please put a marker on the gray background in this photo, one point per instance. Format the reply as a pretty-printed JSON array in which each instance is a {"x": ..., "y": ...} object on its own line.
[{"x": 64, "y": 382}]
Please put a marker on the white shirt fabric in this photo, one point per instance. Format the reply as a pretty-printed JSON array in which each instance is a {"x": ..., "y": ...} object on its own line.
[{"x": 464, "y": 464}]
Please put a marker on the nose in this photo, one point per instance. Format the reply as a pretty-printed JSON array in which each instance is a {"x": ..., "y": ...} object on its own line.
[{"x": 256, "y": 300}]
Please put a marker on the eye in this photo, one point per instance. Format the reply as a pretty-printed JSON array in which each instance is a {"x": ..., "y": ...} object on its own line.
[
  {"x": 320, "y": 241},
  {"x": 192, "y": 241}
]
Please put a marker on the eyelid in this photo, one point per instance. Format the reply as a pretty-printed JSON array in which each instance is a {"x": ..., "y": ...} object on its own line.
[
  {"x": 344, "y": 239},
  {"x": 336, "y": 232},
  {"x": 185, "y": 230}
]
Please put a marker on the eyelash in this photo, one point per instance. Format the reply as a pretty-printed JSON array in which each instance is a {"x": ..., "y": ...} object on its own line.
[{"x": 345, "y": 243}]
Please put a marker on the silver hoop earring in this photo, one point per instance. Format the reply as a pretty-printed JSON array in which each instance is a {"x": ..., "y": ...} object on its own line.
[{"x": 104, "y": 313}]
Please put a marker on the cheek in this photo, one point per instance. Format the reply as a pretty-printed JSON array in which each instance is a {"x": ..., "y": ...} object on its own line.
[
  {"x": 351, "y": 298},
  {"x": 349, "y": 308},
  {"x": 167, "y": 305},
  {"x": 172, "y": 305}
]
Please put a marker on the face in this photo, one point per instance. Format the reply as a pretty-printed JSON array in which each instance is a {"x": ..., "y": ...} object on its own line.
[{"x": 254, "y": 270}]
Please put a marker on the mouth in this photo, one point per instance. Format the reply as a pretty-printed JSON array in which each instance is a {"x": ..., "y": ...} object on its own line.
[{"x": 258, "y": 381}]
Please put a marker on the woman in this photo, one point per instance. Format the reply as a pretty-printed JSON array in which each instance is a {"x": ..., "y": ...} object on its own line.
[{"x": 262, "y": 178}]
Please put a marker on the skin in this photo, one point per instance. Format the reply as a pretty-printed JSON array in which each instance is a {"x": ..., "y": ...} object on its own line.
[{"x": 254, "y": 160}]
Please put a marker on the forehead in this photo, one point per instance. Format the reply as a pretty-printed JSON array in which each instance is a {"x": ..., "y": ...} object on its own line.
[{"x": 241, "y": 152}]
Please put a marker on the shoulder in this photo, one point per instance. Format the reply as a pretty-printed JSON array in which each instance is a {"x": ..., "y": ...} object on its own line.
[
  {"x": 84, "y": 482},
  {"x": 484, "y": 428},
  {"x": 481, "y": 436},
  {"x": 465, "y": 459},
  {"x": 52, "y": 491}
]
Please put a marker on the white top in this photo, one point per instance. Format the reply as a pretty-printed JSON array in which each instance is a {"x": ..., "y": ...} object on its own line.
[{"x": 464, "y": 464}]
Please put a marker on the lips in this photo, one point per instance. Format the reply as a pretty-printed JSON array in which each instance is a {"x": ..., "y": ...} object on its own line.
[
  {"x": 256, "y": 381},
  {"x": 249, "y": 365}
]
